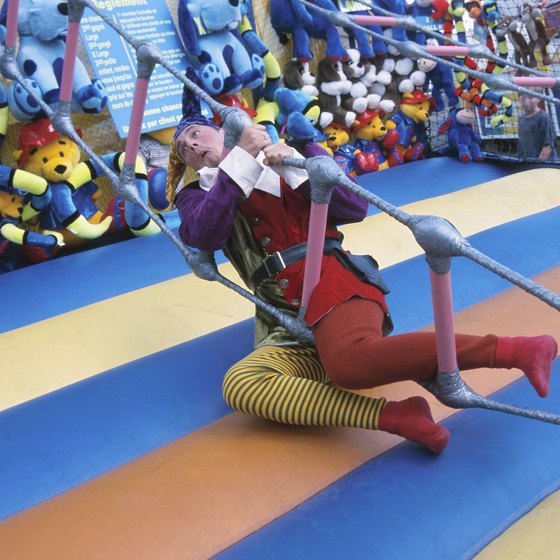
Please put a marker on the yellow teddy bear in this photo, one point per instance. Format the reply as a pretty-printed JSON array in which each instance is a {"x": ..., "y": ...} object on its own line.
[{"x": 48, "y": 154}]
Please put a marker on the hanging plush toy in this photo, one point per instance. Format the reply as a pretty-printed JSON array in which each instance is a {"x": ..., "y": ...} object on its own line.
[
  {"x": 511, "y": 28},
  {"x": 366, "y": 45},
  {"x": 532, "y": 19},
  {"x": 439, "y": 80},
  {"x": 20, "y": 192},
  {"x": 222, "y": 61},
  {"x": 292, "y": 17},
  {"x": 124, "y": 215},
  {"x": 297, "y": 75},
  {"x": 462, "y": 138},
  {"x": 42, "y": 27},
  {"x": 263, "y": 97},
  {"x": 358, "y": 98}
]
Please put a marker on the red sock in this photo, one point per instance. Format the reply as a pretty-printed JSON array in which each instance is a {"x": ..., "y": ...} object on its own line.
[
  {"x": 532, "y": 355},
  {"x": 412, "y": 419}
]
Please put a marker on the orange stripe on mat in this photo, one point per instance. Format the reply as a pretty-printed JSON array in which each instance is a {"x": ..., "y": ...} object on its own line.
[{"x": 200, "y": 494}]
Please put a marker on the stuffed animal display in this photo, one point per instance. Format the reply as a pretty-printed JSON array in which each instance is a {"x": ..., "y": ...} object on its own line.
[
  {"x": 221, "y": 59},
  {"x": 42, "y": 27},
  {"x": 349, "y": 90}
]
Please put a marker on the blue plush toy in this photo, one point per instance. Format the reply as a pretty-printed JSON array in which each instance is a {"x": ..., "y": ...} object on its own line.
[
  {"x": 291, "y": 16},
  {"x": 42, "y": 27},
  {"x": 263, "y": 97},
  {"x": 368, "y": 46},
  {"x": 441, "y": 78},
  {"x": 15, "y": 187},
  {"x": 299, "y": 115},
  {"x": 462, "y": 138},
  {"x": 207, "y": 30},
  {"x": 125, "y": 215}
]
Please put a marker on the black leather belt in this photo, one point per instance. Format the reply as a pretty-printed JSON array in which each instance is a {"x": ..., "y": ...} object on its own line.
[{"x": 277, "y": 262}]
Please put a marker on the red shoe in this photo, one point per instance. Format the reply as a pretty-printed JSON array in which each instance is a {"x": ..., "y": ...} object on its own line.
[
  {"x": 412, "y": 419},
  {"x": 533, "y": 355}
]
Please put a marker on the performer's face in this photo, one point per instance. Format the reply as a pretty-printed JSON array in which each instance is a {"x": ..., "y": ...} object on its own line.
[{"x": 200, "y": 146}]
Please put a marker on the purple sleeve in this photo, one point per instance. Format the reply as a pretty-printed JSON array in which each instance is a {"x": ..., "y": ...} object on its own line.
[
  {"x": 345, "y": 207},
  {"x": 207, "y": 217}
]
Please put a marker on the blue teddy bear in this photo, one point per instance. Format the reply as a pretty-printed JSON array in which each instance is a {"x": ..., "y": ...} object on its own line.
[
  {"x": 223, "y": 63},
  {"x": 42, "y": 28}
]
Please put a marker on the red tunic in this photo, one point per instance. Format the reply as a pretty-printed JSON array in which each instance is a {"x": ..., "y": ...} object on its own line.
[{"x": 281, "y": 222}]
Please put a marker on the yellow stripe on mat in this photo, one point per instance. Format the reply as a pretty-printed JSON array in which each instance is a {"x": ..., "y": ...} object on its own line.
[
  {"x": 93, "y": 339},
  {"x": 470, "y": 210},
  {"x": 533, "y": 537}
]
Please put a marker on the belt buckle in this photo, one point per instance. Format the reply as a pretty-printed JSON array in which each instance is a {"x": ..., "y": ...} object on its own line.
[{"x": 274, "y": 264}]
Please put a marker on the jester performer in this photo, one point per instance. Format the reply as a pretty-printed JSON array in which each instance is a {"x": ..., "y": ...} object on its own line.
[{"x": 257, "y": 210}]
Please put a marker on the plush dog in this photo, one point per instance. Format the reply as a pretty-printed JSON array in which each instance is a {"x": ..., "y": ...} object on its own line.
[
  {"x": 396, "y": 75},
  {"x": 358, "y": 99},
  {"x": 297, "y": 75},
  {"x": 332, "y": 86},
  {"x": 222, "y": 61},
  {"x": 42, "y": 27}
]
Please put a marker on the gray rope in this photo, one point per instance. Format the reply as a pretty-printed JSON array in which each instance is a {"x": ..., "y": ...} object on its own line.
[{"x": 451, "y": 390}]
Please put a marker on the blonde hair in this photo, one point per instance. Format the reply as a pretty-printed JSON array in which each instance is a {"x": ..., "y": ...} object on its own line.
[{"x": 175, "y": 171}]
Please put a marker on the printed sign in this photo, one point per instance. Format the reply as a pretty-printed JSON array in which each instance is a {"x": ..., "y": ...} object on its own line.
[
  {"x": 351, "y": 6},
  {"x": 114, "y": 60}
]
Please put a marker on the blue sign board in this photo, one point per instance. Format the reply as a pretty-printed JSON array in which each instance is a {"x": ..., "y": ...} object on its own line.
[{"x": 114, "y": 60}]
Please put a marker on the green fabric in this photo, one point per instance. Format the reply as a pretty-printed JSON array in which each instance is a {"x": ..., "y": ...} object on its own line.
[{"x": 246, "y": 255}]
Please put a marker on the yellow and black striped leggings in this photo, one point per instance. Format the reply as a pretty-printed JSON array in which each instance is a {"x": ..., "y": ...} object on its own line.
[{"x": 288, "y": 384}]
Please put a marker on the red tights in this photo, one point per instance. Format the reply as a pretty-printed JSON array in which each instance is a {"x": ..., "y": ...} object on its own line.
[{"x": 355, "y": 355}]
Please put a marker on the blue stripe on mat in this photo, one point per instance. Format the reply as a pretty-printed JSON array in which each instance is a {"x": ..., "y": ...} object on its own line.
[
  {"x": 412, "y": 505},
  {"x": 145, "y": 404},
  {"x": 73, "y": 281},
  {"x": 57, "y": 441}
]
